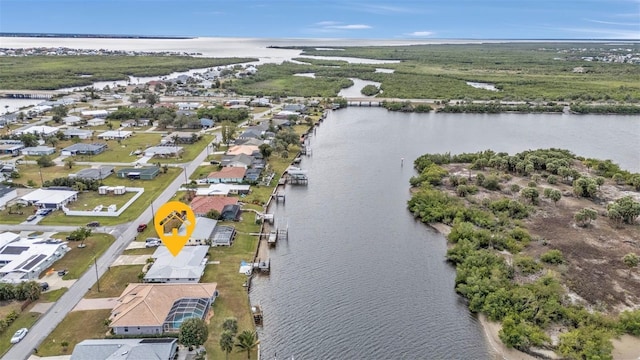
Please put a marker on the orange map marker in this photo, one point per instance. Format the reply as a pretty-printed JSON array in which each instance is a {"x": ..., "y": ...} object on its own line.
[{"x": 177, "y": 238}]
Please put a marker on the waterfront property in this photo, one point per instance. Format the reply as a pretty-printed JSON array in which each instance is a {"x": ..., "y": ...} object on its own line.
[
  {"x": 222, "y": 189},
  {"x": 126, "y": 349},
  {"x": 201, "y": 205},
  {"x": 84, "y": 149},
  {"x": 186, "y": 267},
  {"x": 223, "y": 236},
  {"x": 24, "y": 259},
  {"x": 230, "y": 174},
  {"x": 231, "y": 212},
  {"x": 49, "y": 199},
  {"x": 240, "y": 160},
  {"x": 143, "y": 173},
  {"x": 38, "y": 151},
  {"x": 202, "y": 232},
  {"x": 160, "y": 308}
]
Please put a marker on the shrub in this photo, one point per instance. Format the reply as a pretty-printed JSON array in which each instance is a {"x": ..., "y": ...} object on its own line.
[
  {"x": 552, "y": 179},
  {"x": 552, "y": 257},
  {"x": 526, "y": 264},
  {"x": 630, "y": 322}
]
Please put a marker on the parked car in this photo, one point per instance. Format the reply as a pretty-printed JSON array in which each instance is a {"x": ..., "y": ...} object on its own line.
[
  {"x": 151, "y": 244},
  {"x": 19, "y": 335},
  {"x": 32, "y": 217},
  {"x": 44, "y": 286},
  {"x": 93, "y": 224},
  {"x": 62, "y": 272},
  {"x": 142, "y": 227}
]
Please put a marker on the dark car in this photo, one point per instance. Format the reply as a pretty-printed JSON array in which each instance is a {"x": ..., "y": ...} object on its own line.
[
  {"x": 62, "y": 272},
  {"x": 93, "y": 224},
  {"x": 44, "y": 286},
  {"x": 142, "y": 227}
]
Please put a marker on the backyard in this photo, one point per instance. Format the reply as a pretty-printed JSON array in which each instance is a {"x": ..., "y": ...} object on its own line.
[
  {"x": 76, "y": 326},
  {"x": 78, "y": 260},
  {"x": 88, "y": 200}
]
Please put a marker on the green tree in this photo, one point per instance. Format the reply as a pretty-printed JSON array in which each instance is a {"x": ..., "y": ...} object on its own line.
[
  {"x": 69, "y": 163},
  {"x": 618, "y": 178},
  {"x": 45, "y": 161},
  {"x": 552, "y": 257},
  {"x": 624, "y": 210},
  {"x": 630, "y": 260},
  {"x": 585, "y": 343},
  {"x": 530, "y": 193},
  {"x": 230, "y": 324},
  {"x": 247, "y": 341},
  {"x": 29, "y": 140},
  {"x": 555, "y": 196},
  {"x": 213, "y": 214},
  {"x": 151, "y": 98},
  {"x": 519, "y": 334},
  {"x": 226, "y": 342},
  {"x": 265, "y": 150},
  {"x": 193, "y": 332},
  {"x": 60, "y": 111},
  {"x": 585, "y": 216},
  {"x": 228, "y": 131},
  {"x": 585, "y": 187}
]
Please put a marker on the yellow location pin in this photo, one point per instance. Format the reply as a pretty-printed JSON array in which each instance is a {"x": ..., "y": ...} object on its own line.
[{"x": 181, "y": 214}]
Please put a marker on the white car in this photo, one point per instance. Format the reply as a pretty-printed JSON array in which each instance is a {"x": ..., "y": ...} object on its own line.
[{"x": 19, "y": 335}]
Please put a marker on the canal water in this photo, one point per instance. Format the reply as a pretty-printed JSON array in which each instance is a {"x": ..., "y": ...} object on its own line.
[{"x": 359, "y": 278}]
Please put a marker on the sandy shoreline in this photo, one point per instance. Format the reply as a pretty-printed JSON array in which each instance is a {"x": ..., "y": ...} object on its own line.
[{"x": 625, "y": 347}]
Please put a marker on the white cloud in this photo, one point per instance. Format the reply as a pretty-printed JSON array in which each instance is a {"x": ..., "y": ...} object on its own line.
[
  {"x": 327, "y": 23},
  {"x": 336, "y": 26},
  {"x": 614, "y": 23},
  {"x": 349, "y": 27},
  {"x": 384, "y": 9},
  {"x": 420, "y": 33}
]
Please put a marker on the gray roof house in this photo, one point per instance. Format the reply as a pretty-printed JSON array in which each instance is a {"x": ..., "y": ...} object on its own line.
[
  {"x": 38, "y": 150},
  {"x": 206, "y": 123},
  {"x": 240, "y": 160},
  {"x": 126, "y": 349},
  {"x": 203, "y": 231},
  {"x": 187, "y": 267},
  {"x": 84, "y": 149},
  {"x": 77, "y": 133},
  {"x": 95, "y": 174},
  {"x": 300, "y": 108}
]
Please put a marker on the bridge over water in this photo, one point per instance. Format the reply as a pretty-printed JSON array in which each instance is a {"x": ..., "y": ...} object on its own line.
[{"x": 30, "y": 94}]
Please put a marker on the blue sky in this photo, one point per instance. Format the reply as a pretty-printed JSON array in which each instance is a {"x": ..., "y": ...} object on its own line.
[{"x": 372, "y": 19}]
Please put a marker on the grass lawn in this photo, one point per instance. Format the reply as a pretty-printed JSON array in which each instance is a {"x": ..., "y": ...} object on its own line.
[
  {"x": 33, "y": 171},
  {"x": 76, "y": 326},
  {"x": 120, "y": 152},
  {"x": 6, "y": 218},
  {"x": 202, "y": 171},
  {"x": 143, "y": 251},
  {"x": 191, "y": 150},
  {"x": 153, "y": 188},
  {"x": 114, "y": 281},
  {"x": 53, "y": 295},
  {"x": 233, "y": 300},
  {"x": 77, "y": 260},
  {"x": 26, "y": 319},
  {"x": 90, "y": 199}
]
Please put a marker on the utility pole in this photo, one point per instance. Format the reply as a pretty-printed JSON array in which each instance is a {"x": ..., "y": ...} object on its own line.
[{"x": 95, "y": 262}]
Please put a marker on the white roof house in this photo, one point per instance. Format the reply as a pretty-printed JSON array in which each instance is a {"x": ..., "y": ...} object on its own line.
[
  {"x": 95, "y": 113},
  {"x": 7, "y": 237},
  {"x": 78, "y": 133},
  {"x": 49, "y": 198},
  {"x": 95, "y": 122},
  {"x": 25, "y": 259},
  {"x": 202, "y": 232},
  {"x": 39, "y": 130},
  {"x": 115, "y": 134},
  {"x": 187, "y": 267},
  {"x": 7, "y": 194},
  {"x": 72, "y": 120},
  {"x": 223, "y": 189},
  {"x": 163, "y": 151}
]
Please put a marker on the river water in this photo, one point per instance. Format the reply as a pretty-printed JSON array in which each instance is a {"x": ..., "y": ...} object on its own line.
[{"x": 359, "y": 278}]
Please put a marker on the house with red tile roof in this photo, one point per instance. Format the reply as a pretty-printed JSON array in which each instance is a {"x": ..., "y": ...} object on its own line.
[
  {"x": 201, "y": 205},
  {"x": 230, "y": 174}
]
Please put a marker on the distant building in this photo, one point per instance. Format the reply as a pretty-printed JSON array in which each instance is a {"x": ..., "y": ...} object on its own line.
[
  {"x": 41, "y": 130},
  {"x": 100, "y": 173},
  {"x": 77, "y": 133},
  {"x": 7, "y": 194},
  {"x": 95, "y": 122},
  {"x": 11, "y": 147},
  {"x": 84, "y": 149},
  {"x": 72, "y": 120},
  {"x": 222, "y": 189},
  {"x": 38, "y": 151},
  {"x": 143, "y": 173},
  {"x": 95, "y": 113},
  {"x": 115, "y": 135},
  {"x": 163, "y": 151}
]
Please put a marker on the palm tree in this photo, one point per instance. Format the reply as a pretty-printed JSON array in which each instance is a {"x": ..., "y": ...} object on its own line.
[
  {"x": 247, "y": 341},
  {"x": 226, "y": 342}
]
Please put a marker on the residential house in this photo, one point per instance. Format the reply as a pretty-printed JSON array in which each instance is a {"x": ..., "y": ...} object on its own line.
[
  {"x": 38, "y": 151},
  {"x": 49, "y": 199},
  {"x": 26, "y": 259},
  {"x": 186, "y": 267},
  {"x": 84, "y": 149},
  {"x": 230, "y": 212},
  {"x": 143, "y": 173},
  {"x": 202, "y": 232},
  {"x": 188, "y": 105},
  {"x": 206, "y": 123},
  {"x": 223, "y": 236},
  {"x": 181, "y": 137},
  {"x": 251, "y": 133},
  {"x": 41, "y": 130},
  {"x": 222, "y": 189},
  {"x": 7, "y": 194},
  {"x": 126, "y": 349},
  {"x": 164, "y": 151},
  {"x": 230, "y": 174},
  {"x": 100, "y": 173},
  {"x": 297, "y": 108},
  {"x": 252, "y": 175},
  {"x": 241, "y": 160},
  {"x": 260, "y": 102},
  {"x": 201, "y": 205},
  {"x": 77, "y": 134},
  {"x": 95, "y": 122},
  {"x": 160, "y": 308},
  {"x": 95, "y": 113},
  {"x": 242, "y": 149},
  {"x": 115, "y": 135},
  {"x": 72, "y": 120}
]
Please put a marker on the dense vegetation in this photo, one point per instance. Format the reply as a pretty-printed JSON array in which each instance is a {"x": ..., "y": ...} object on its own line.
[
  {"x": 370, "y": 90},
  {"x": 55, "y": 72},
  {"x": 482, "y": 229},
  {"x": 406, "y": 106},
  {"x": 533, "y": 71},
  {"x": 605, "y": 109},
  {"x": 496, "y": 107}
]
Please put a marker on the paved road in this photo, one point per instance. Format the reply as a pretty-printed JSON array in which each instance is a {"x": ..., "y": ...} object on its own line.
[{"x": 124, "y": 235}]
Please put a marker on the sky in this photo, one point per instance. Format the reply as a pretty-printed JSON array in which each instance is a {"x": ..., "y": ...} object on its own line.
[{"x": 346, "y": 19}]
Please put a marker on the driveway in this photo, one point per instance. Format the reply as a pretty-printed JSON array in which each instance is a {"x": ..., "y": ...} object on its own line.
[
  {"x": 136, "y": 245},
  {"x": 55, "y": 282},
  {"x": 131, "y": 260},
  {"x": 96, "y": 304}
]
